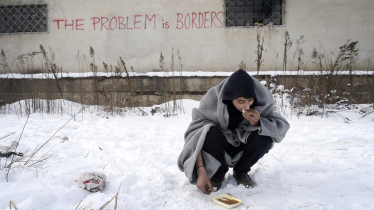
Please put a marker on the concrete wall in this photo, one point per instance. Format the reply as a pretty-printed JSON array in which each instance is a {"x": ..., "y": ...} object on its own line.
[
  {"x": 154, "y": 26},
  {"x": 148, "y": 91}
]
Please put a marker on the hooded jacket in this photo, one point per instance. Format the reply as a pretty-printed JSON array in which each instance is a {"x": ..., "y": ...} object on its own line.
[
  {"x": 213, "y": 112},
  {"x": 239, "y": 84}
]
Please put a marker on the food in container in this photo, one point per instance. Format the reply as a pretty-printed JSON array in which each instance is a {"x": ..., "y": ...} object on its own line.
[{"x": 227, "y": 201}]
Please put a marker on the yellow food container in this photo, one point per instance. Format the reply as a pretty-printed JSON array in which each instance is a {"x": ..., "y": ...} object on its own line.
[{"x": 227, "y": 201}]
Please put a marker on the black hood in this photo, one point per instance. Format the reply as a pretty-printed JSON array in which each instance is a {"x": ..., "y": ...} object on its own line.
[{"x": 240, "y": 84}]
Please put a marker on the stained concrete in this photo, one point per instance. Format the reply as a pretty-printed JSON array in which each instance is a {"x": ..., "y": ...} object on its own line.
[{"x": 148, "y": 91}]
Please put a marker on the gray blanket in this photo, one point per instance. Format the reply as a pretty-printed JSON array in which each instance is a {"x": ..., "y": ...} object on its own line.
[{"x": 212, "y": 112}]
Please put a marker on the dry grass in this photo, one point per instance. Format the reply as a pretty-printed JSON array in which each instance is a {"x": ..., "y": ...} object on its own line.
[
  {"x": 117, "y": 94},
  {"x": 12, "y": 203},
  {"x": 115, "y": 197},
  {"x": 30, "y": 161},
  {"x": 90, "y": 204}
]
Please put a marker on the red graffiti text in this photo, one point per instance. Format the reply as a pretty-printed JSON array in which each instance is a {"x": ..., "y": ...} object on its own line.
[
  {"x": 199, "y": 20},
  {"x": 66, "y": 24},
  {"x": 132, "y": 22}
]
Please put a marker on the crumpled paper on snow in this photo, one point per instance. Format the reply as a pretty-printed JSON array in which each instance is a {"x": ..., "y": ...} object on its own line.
[{"x": 92, "y": 181}]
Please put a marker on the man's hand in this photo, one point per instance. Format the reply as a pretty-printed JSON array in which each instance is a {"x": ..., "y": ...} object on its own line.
[
  {"x": 253, "y": 116},
  {"x": 203, "y": 182}
]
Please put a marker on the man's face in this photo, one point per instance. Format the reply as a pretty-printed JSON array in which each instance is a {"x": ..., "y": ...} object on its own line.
[{"x": 242, "y": 103}]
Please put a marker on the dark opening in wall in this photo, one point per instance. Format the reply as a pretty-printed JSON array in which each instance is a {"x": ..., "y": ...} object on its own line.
[
  {"x": 254, "y": 12},
  {"x": 23, "y": 18}
]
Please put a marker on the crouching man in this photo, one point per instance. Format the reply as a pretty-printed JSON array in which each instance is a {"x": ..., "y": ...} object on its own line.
[{"x": 234, "y": 126}]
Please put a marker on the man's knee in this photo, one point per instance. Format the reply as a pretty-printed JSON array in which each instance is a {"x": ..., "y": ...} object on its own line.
[
  {"x": 214, "y": 138},
  {"x": 260, "y": 142}
]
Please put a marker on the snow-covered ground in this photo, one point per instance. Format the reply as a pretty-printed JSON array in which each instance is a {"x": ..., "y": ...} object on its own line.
[{"x": 323, "y": 163}]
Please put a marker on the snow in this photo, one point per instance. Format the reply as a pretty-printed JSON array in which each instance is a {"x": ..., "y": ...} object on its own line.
[
  {"x": 323, "y": 163},
  {"x": 176, "y": 73}
]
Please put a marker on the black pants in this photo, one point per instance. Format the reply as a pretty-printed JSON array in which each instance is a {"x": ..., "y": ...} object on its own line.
[{"x": 256, "y": 147}]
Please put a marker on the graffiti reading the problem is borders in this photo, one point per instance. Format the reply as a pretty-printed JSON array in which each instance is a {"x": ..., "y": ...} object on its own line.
[{"x": 194, "y": 20}]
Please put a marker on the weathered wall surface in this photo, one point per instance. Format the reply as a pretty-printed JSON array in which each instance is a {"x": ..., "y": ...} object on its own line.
[
  {"x": 148, "y": 91},
  {"x": 139, "y": 30}
]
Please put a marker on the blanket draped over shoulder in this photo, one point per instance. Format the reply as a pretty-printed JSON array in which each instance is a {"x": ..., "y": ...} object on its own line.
[{"x": 212, "y": 112}]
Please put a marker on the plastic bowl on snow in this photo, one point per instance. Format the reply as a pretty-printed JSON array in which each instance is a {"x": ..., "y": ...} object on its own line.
[{"x": 227, "y": 201}]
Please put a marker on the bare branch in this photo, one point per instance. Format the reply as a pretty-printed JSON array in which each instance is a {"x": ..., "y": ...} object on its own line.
[
  {"x": 51, "y": 137},
  {"x": 12, "y": 161}
]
